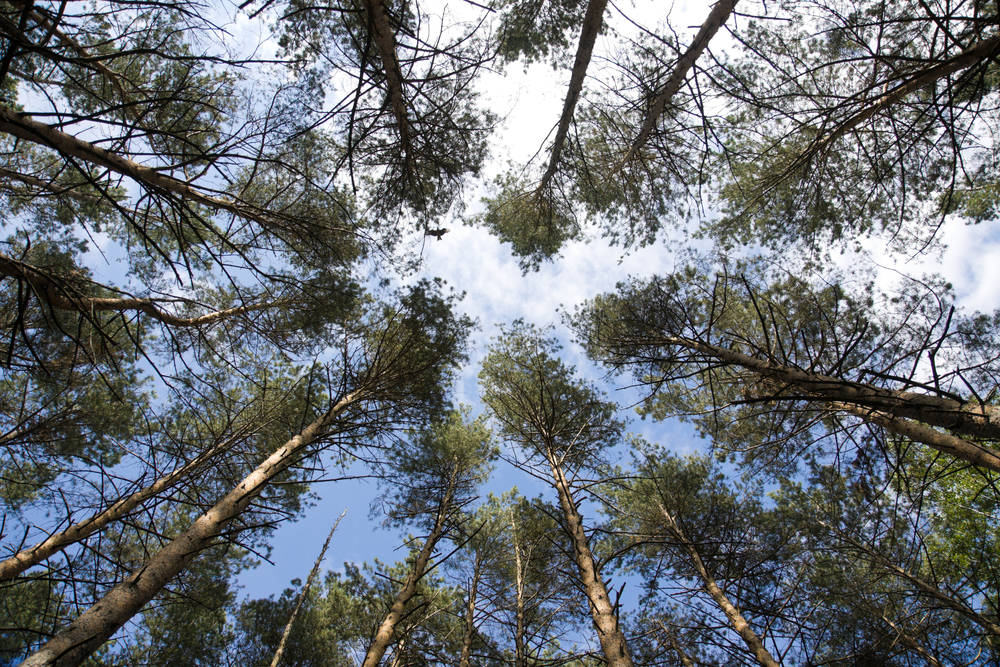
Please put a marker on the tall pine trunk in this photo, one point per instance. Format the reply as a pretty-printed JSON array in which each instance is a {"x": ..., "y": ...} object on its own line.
[
  {"x": 383, "y": 636},
  {"x": 87, "y": 632},
  {"x": 736, "y": 619},
  {"x": 609, "y": 632}
]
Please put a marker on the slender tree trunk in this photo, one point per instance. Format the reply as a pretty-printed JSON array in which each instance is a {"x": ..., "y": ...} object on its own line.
[
  {"x": 520, "y": 656},
  {"x": 592, "y": 21},
  {"x": 304, "y": 592},
  {"x": 385, "y": 41},
  {"x": 968, "y": 418},
  {"x": 470, "y": 616},
  {"x": 605, "y": 619},
  {"x": 716, "y": 19},
  {"x": 973, "y": 55},
  {"x": 22, "y": 560},
  {"x": 92, "y": 628},
  {"x": 22, "y": 126},
  {"x": 59, "y": 294},
  {"x": 383, "y": 636},
  {"x": 685, "y": 659},
  {"x": 736, "y": 619}
]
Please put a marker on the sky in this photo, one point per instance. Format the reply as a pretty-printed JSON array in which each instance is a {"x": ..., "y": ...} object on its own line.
[{"x": 469, "y": 259}]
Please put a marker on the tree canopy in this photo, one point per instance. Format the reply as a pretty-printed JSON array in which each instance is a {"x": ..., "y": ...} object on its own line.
[{"x": 221, "y": 297}]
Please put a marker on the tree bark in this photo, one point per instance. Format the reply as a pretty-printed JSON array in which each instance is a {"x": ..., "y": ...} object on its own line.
[
  {"x": 943, "y": 442},
  {"x": 385, "y": 41},
  {"x": 60, "y": 295},
  {"x": 605, "y": 620},
  {"x": 88, "y": 631},
  {"x": 23, "y": 127},
  {"x": 736, "y": 619},
  {"x": 520, "y": 655},
  {"x": 592, "y": 21},
  {"x": 470, "y": 617},
  {"x": 303, "y": 593},
  {"x": 976, "y": 53},
  {"x": 22, "y": 560},
  {"x": 962, "y": 418},
  {"x": 716, "y": 19},
  {"x": 383, "y": 636}
]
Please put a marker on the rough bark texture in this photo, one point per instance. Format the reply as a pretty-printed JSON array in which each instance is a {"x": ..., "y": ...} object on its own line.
[
  {"x": 303, "y": 593},
  {"x": 383, "y": 636},
  {"x": 602, "y": 612},
  {"x": 968, "y": 419},
  {"x": 716, "y": 19},
  {"x": 385, "y": 41},
  {"x": 592, "y": 21},
  {"x": 736, "y": 619},
  {"x": 92, "y": 628},
  {"x": 22, "y": 560},
  {"x": 943, "y": 442},
  {"x": 58, "y": 294}
]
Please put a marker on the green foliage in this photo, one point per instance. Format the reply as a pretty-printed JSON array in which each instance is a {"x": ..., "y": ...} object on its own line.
[
  {"x": 534, "y": 30},
  {"x": 539, "y": 405},
  {"x": 536, "y": 223}
]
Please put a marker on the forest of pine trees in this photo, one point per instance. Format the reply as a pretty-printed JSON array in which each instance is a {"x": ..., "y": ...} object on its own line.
[{"x": 215, "y": 303}]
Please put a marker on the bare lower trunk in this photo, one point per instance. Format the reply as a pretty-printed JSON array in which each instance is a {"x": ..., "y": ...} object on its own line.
[
  {"x": 592, "y": 21},
  {"x": 520, "y": 657},
  {"x": 92, "y": 628},
  {"x": 716, "y": 19},
  {"x": 736, "y": 619},
  {"x": 303, "y": 593},
  {"x": 383, "y": 636},
  {"x": 603, "y": 614},
  {"x": 22, "y": 560}
]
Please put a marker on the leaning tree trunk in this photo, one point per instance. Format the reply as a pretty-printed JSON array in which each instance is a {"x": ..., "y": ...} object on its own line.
[
  {"x": 892, "y": 409},
  {"x": 592, "y": 21},
  {"x": 736, "y": 619},
  {"x": 81, "y": 530},
  {"x": 88, "y": 631},
  {"x": 303, "y": 593},
  {"x": 716, "y": 18},
  {"x": 605, "y": 620},
  {"x": 386, "y": 630}
]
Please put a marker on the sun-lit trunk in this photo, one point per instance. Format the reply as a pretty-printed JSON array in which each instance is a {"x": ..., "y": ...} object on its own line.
[
  {"x": 736, "y": 619},
  {"x": 384, "y": 635},
  {"x": 609, "y": 633},
  {"x": 87, "y": 632}
]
